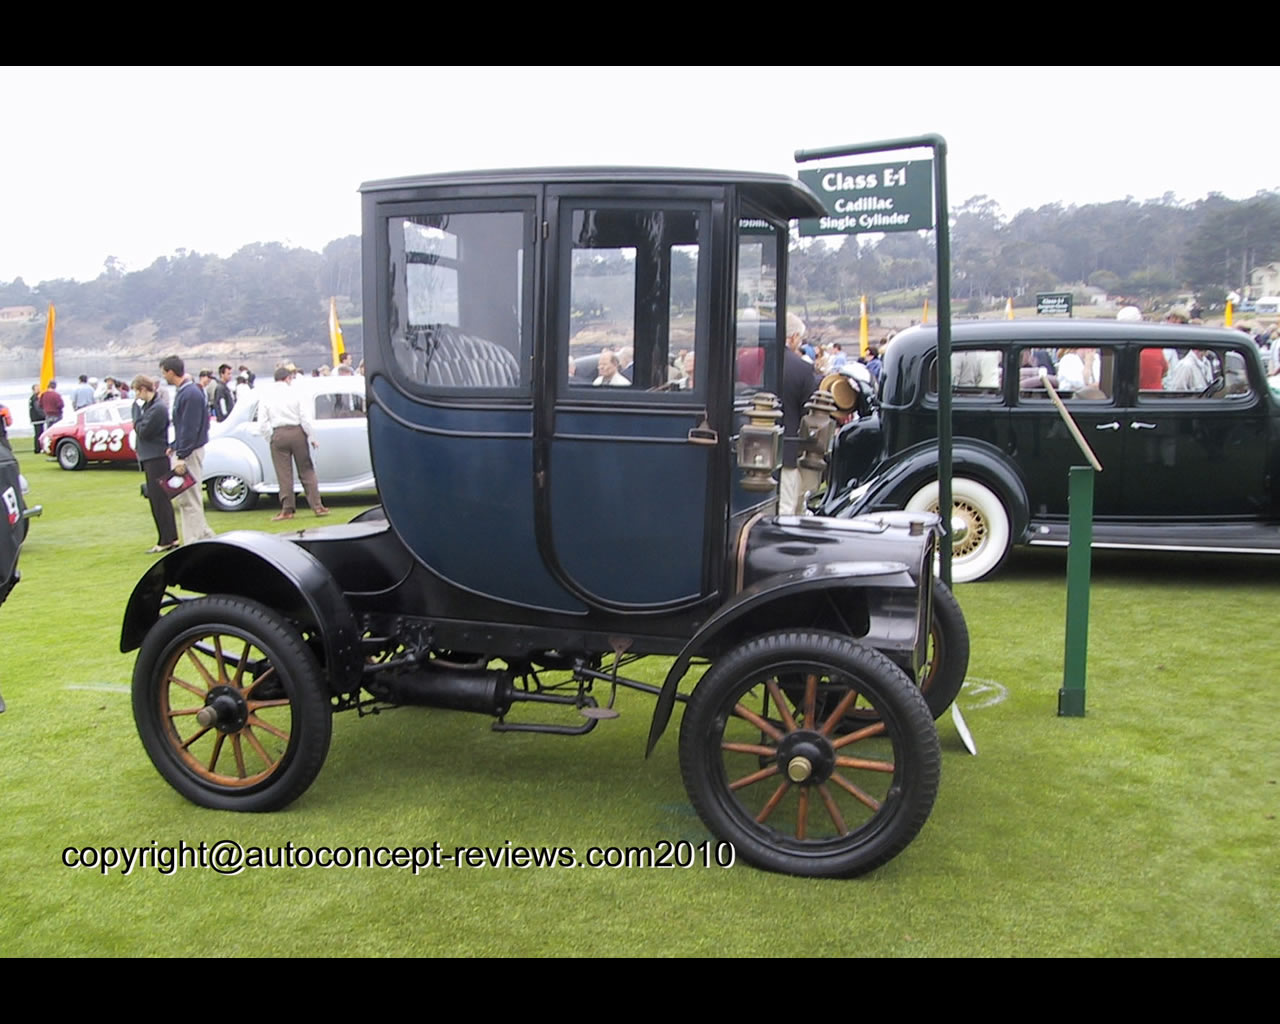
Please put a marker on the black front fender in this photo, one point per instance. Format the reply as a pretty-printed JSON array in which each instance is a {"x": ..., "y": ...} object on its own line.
[
  {"x": 893, "y": 482},
  {"x": 266, "y": 568},
  {"x": 893, "y": 626}
]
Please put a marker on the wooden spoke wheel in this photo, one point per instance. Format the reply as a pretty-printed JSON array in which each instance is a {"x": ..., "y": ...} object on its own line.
[
  {"x": 769, "y": 769},
  {"x": 230, "y": 705}
]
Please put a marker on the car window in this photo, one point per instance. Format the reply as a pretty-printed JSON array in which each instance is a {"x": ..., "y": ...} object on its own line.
[
  {"x": 1201, "y": 374},
  {"x": 460, "y": 279},
  {"x": 1077, "y": 374},
  {"x": 757, "y": 304},
  {"x": 976, "y": 374},
  {"x": 633, "y": 299},
  {"x": 339, "y": 406}
]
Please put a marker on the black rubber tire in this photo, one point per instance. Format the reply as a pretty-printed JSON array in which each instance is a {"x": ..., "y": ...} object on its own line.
[
  {"x": 70, "y": 455},
  {"x": 945, "y": 667},
  {"x": 231, "y": 494},
  {"x": 898, "y": 768},
  {"x": 943, "y": 674},
  {"x": 280, "y": 747}
]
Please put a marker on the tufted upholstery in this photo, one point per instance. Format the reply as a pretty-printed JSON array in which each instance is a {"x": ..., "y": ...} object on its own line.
[{"x": 441, "y": 356}]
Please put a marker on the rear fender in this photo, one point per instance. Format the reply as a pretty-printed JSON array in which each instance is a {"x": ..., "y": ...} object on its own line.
[
  {"x": 265, "y": 568},
  {"x": 877, "y": 603}
]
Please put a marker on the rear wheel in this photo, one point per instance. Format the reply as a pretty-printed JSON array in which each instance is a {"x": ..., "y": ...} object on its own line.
[
  {"x": 230, "y": 705},
  {"x": 948, "y": 662},
  {"x": 769, "y": 770},
  {"x": 231, "y": 494},
  {"x": 70, "y": 455}
]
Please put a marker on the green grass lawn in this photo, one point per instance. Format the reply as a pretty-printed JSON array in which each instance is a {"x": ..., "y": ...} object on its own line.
[{"x": 1148, "y": 827}]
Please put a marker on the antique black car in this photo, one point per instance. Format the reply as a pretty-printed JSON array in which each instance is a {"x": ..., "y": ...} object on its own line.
[
  {"x": 1181, "y": 417},
  {"x": 539, "y": 531},
  {"x": 14, "y": 514},
  {"x": 13, "y": 529}
]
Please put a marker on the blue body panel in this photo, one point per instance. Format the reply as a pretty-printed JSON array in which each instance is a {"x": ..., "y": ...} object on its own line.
[{"x": 456, "y": 484}]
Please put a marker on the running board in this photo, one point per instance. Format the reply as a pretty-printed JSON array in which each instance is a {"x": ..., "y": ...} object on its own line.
[{"x": 1222, "y": 538}]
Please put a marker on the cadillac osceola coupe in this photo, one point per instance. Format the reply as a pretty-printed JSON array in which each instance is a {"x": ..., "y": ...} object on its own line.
[{"x": 571, "y": 412}]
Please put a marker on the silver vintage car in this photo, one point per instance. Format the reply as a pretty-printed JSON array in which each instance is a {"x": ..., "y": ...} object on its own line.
[{"x": 237, "y": 464}]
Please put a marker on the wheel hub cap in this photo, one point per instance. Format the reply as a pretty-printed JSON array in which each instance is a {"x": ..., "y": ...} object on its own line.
[
  {"x": 225, "y": 709},
  {"x": 807, "y": 757}
]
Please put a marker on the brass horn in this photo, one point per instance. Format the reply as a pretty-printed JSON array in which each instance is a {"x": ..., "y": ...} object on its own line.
[{"x": 841, "y": 390}]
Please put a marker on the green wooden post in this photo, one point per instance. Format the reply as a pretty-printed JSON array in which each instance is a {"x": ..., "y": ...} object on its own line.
[{"x": 1079, "y": 559}]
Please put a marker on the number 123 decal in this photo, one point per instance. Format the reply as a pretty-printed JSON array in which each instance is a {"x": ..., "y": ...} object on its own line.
[{"x": 104, "y": 440}]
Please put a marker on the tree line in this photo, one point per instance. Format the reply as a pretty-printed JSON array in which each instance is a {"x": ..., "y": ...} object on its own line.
[
  {"x": 1148, "y": 252},
  {"x": 262, "y": 289},
  {"x": 1145, "y": 251}
]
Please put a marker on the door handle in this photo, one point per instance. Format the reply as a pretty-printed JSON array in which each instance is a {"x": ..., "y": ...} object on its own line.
[
  {"x": 1113, "y": 425},
  {"x": 703, "y": 433},
  {"x": 1139, "y": 425}
]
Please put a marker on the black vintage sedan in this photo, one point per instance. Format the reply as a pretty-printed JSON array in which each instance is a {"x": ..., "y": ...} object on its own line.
[{"x": 1181, "y": 418}]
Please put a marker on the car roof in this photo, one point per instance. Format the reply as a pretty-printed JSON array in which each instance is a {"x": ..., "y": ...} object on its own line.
[
  {"x": 121, "y": 405},
  {"x": 775, "y": 194},
  {"x": 1068, "y": 333}
]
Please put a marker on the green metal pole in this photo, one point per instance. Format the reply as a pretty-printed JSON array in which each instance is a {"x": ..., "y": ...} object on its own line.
[{"x": 1079, "y": 560}]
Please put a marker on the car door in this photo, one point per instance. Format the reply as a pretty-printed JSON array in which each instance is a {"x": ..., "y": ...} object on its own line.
[
  {"x": 1200, "y": 451},
  {"x": 1090, "y": 381},
  {"x": 627, "y": 470},
  {"x": 341, "y": 456}
]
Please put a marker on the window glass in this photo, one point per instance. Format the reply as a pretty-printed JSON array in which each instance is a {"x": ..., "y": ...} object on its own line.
[
  {"x": 1205, "y": 374},
  {"x": 339, "y": 406},
  {"x": 457, "y": 316},
  {"x": 757, "y": 308},
  {"x": 633, "y": 299},
  {"x": 975, "y": 374},
  {"x": 1077, "y": 374}
]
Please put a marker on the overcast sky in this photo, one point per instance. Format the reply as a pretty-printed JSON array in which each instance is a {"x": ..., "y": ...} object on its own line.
[{"x": 105, "y": 162}]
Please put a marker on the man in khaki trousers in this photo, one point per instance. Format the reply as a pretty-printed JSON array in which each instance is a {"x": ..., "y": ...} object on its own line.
[{"x": 286, "y": 422}]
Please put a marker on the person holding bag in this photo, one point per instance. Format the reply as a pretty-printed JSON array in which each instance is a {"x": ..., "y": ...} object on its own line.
[{"x": 151, "y": 425}]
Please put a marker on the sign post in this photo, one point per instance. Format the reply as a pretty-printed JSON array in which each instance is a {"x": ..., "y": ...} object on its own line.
[
  {"x": 1079, "y": 563},
  {"x": 901, "y": 190}
]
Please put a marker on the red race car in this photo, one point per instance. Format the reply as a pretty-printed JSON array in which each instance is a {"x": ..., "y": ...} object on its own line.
[{"x": 102, "y": 432}]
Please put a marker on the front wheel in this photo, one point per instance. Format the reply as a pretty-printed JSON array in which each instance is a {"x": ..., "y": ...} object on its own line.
[
  {"x": 230, "y": 705},
  {"x": 231, "y": 494},
  {"x": 980, "y": 529},
  {"x": 70, "y": 455},
  {"x": 768, "y": 768},
  {"x": 948, "y": 662}
]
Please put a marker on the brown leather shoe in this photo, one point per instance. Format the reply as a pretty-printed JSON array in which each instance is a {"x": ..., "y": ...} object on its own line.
[{"x": 286, "y": 514}]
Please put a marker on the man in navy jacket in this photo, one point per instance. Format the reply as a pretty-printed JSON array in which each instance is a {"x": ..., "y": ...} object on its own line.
[{"x": 190, "y": 435}]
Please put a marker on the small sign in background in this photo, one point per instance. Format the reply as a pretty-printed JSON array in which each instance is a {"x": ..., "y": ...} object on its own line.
[{"x": 1053, "y": 303}]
